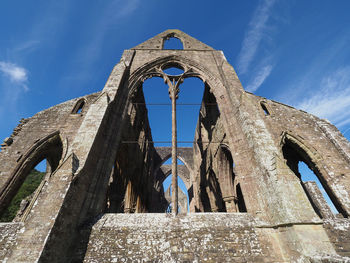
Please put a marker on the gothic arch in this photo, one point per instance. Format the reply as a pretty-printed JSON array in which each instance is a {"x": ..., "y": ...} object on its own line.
[
  {"x": 79, "y": 106},
  {"x": 308, "y": 149},
  {"x": 228, "y": 180},
  {"x": 265, "y": 108},
  {"x": 185, "y": 180},
  {"x": 295, "y": 149},
  {"x": 190, "y": 67},
  {"x": 156, "y": 170},
  {"x": 172, "y": 35},
  {"x": 50, "y": 147}
]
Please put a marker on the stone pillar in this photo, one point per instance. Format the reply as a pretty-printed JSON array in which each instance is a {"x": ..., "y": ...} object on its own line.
[
  {"x": 318, "y": 200},
  {"x": 173, "y": 92}
]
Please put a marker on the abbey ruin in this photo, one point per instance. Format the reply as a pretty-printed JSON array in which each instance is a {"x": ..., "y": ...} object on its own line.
[{"x": 102, "y": 197}]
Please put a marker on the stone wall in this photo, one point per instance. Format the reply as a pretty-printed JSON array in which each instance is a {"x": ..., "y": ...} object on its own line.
[
  {"x": 163, "y": 238},
  {"x": 326, "y": 148},
  {"x": 338, "y": 230},
  {"x": 8, "y": 239},
  {"x": 30, "y": 130}
]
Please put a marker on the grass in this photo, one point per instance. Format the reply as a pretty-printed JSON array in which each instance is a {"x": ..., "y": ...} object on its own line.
[{"x": 29, "y": 185}]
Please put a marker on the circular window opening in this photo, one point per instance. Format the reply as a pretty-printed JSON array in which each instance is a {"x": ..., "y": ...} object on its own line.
[{"x": 173, "y": 70}]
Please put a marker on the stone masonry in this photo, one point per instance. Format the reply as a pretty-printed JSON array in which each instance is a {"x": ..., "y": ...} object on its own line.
[{"x": 102, "y": 197}]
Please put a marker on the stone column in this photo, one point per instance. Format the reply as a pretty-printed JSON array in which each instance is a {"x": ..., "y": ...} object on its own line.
[{"x": 173, "y": 92}]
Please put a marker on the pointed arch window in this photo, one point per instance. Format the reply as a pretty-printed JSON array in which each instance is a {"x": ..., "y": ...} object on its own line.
[
  {"x": 231, "y": 190},
  {"x": 307, "y": 170},
  {"x": 264, "y": 108},
  {"x": 172, "y": 42},
  {"x": 79, "y": 106},
  {"x": 25, "y": 180}
]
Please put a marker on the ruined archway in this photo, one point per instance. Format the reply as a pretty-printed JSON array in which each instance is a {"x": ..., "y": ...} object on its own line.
[
  {"x": 49, "y": 148},
  {"x": 208, "y": 106},
  {"x": 295, "y": 151}
]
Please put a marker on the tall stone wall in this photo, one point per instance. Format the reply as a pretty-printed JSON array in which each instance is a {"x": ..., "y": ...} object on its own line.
[
  {"x": 30, "y": 130},
  {"x": 246, "y": 148},
  {"x": 322, "y": 142}
]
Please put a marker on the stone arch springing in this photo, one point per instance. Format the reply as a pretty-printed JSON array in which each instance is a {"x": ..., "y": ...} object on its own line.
[
  {"x": 79, "y": 106},
  {"x": 49, "y": 148},
  {"x": 167, "y": 157},
  {"x": 294, "y": 151}
]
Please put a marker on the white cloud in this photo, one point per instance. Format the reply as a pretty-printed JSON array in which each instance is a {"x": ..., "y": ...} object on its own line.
[
  {"x": 332, "y": 99},
  {"x": 259, "y": 79},
  {"x": 27, "y": 46},
  {"x": 15, "y": 73},
  {"x": 254, "y": 35},
  {"x": 128, "y": 8}
]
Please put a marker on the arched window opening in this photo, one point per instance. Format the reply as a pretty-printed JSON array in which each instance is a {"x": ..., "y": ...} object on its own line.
[
  {"x": 158, "y": 104},
  {"x": 263, "y": 106},
  {"x": 44, "y": 159},
  {"x": 78, "y": 108},
  {"x": 173, "y": 71},
  {"x": 172, "y": 43},
  {"x": 152, "y": 98},
  {"x": 183, "y": 203},
  {"x": 183, "y": 196},
  {"x": 318, "y": 192},
  {"x": 24, "y": 195},
  {"x": 188, "y": 107}
]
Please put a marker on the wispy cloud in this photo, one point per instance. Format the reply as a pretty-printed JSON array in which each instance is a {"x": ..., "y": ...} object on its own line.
[
  {"x": 16, "y": 74},
  {"x": 254, "y": 35},
  {"x": 332, "y": 99},
  {"x": 27, "y": 46},
  {"x": 81, "y": 63},
  {"x": 128, "y": 8},
  {"x": 259, "y": 79}
]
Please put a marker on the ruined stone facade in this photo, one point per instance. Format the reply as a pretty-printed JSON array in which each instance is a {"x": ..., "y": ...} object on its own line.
[{"x": 102, "y": 198}]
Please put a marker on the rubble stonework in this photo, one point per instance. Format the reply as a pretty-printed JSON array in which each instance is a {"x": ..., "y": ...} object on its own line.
[{"x": 102, "y": 198}]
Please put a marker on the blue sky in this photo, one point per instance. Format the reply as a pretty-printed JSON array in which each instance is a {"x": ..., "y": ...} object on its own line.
[{"x": 295, "y": 52}]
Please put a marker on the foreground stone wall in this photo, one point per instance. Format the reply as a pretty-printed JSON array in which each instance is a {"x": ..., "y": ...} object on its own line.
[
  {"x": 203, "y": 237},
  {"x": 163, "y": 238}
]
